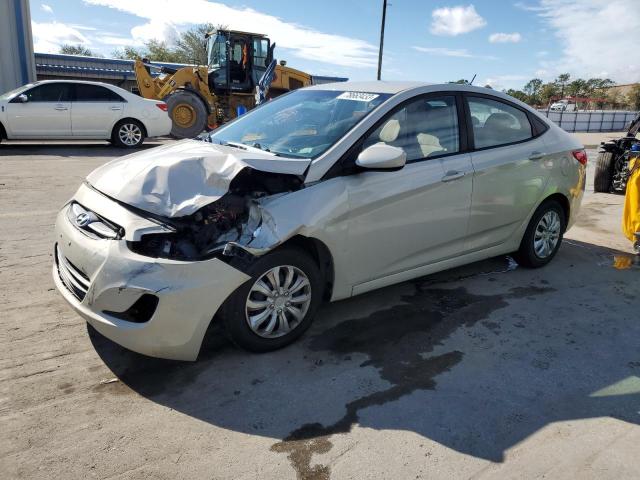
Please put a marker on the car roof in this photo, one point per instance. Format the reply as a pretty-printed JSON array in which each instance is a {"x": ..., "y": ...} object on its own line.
[
  {"x": 378, "y": 86},
  {"x": 381, "y": 86},
  {"x": 103, "y": 84}
]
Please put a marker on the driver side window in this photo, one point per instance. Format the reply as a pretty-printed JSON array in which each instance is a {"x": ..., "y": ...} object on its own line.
[{"x": 424, "y": 128}]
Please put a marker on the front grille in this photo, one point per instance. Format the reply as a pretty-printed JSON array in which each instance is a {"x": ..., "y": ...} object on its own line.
[
  {"x": 92, "y": 224},
  {"x": 72, "y": 278}
]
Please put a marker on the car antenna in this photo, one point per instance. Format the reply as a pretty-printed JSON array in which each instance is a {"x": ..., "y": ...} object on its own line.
[{"x": 474, "y": 77}]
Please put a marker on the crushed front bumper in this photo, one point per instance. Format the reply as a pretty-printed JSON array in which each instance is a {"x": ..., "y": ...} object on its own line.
[{"x": 101, "y": 278}]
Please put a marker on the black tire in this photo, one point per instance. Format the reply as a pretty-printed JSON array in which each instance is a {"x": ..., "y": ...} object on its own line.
[
  {"x": 119, "y": 136},
  {"x": 604, "y": 172},
  {"x": 233, "y": 311},
  {"x": 526, "y": 254},
  {"x": 189, "y": 107}
]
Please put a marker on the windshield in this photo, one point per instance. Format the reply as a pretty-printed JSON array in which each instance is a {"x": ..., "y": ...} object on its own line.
[
  {"x": 10, "y": 93},
  {"x": 303, "y": 124},
  {"x": 217, "y": 50}
]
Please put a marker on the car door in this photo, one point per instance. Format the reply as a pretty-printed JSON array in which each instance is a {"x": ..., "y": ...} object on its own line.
[
  {"x": 415, "y": 216},
  {"x": 95, "y": 111},
  {"x": 46, "y": 113},
  {"x": 510, "y": 169}
]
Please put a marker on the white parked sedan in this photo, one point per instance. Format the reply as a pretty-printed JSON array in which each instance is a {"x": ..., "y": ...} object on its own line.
[
  {"x": 77, "y": 110},
  {"x": 324, "y": 193}
]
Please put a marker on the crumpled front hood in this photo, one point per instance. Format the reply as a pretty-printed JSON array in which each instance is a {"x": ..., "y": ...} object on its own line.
[{"x": 180, "y": 178}]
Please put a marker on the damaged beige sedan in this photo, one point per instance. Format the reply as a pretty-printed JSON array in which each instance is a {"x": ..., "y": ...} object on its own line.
[{"x": 322, "y": 194}]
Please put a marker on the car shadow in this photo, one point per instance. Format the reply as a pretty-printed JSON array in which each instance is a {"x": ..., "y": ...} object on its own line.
[{"x": 477, "y": 359}]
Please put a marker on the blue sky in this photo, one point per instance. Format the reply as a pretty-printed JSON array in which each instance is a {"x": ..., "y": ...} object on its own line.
[{"x": 504, "y": 42}]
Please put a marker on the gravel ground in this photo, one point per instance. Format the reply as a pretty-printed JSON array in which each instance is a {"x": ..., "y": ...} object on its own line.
[{"x": 484, "y": 371}]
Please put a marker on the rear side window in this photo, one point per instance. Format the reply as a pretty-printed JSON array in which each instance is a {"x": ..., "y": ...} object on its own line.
[
  {"x": 50, "y": 92},
  {"x": 496, "y": 123},
  {"x": 94, "y": 93},
  {"x": 423, "y": 128}
]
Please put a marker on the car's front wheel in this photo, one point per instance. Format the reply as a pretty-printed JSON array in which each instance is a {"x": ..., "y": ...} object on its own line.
[
  {"x": 128, "y": 134},
  {"x": 543, "y": 236},
  {"x": 277, "y": 304}
]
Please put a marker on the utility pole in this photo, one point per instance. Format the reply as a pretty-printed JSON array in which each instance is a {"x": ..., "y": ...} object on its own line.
[{"x": 384, "y": 16}]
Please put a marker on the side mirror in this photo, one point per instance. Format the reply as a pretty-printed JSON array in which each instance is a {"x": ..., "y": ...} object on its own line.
[
  {"x": 22, "y": 98},
  {"x": 382, "y": 156}
]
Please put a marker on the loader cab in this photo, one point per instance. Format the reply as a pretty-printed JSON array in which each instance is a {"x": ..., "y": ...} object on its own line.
[{"x": 236, "y": 60}]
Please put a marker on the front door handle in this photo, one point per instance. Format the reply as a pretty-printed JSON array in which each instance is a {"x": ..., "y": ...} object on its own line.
[
  {"x": 452, "y": 175},
  {"x": 116, "y": 108},
  {"x": 60, "y": 108},
  {"x": 536, "y": 155}
]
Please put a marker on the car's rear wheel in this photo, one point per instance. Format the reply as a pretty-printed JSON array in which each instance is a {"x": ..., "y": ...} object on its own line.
[
  {"x": 128, "y": 133},
  {"x": 277, "y": 304},
  {"x": 604, "y": 172},
  {"x": 543, "y": 236}
]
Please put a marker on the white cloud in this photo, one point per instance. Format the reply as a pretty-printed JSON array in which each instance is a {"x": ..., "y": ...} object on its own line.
[
  {"x": 445, "y": 52},
  {"x": 46, "y": 8},
  {"x": 451, "y": 52},
  {"x": 500, "y": 82},
  {"x": 455, "y": 20},
  {"x": 594, "y": 37},
  {"x": 505, "y": 37},
  {"x": 154, "y": 30},
  {"x": 49, "y": 37},
  {"x": 165, "y": 16}
]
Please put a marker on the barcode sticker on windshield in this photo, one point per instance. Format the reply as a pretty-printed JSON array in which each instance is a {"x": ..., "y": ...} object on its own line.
[{"x": 358, "y": 96}]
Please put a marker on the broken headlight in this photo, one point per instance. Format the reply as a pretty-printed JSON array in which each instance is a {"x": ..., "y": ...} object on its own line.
[{"x": 204, "y": 234}]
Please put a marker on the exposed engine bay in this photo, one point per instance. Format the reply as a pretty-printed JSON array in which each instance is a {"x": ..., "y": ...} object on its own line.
[{"x": 234, "y": 220}]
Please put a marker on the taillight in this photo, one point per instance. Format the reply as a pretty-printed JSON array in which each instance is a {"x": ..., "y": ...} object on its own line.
[
  {"x": 162, "y": 106},
  {"x": 580, "y": 155}
]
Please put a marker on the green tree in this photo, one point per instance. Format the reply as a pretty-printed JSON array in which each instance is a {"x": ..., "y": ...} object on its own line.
[
  {"x": 127, "y": 53},
  {"x": 519, "y": 94},
  {"x": 190, "y": 46},
  {"x": 532, "y": 89},
  {"x": 462, "y": 81},
  {"x": 595, "y": 86},
  {"x": 548, "y": 92},
  {"x": 76, "y": 50},
  {"x": 577, "y": 88},
  {"x": 562, "y": 81}
]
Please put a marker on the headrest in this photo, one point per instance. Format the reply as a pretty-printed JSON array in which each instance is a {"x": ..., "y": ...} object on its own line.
[
  {"x": 390, "y": 131},
  {"x": 499, "y": 120}
]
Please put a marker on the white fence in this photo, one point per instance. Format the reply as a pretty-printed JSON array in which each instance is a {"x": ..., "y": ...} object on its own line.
[{"x": 592, "y": 120}]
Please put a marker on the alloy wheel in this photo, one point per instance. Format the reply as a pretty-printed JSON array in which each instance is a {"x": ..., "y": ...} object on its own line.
[
  {"x": 130, "y": 134},
  {"x": 278, "y": 301},
  {"x": 547, "y": 234}
]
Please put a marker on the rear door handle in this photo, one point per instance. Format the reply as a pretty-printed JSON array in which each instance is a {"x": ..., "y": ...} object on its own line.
[
  {"x": 536, "y": 155},
  {"x": 116, "y": 108},
  {"x": 452, "y": 175}
]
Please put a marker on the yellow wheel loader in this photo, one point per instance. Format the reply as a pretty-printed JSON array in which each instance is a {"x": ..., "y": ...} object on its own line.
[{"x": 240, "y": 74}]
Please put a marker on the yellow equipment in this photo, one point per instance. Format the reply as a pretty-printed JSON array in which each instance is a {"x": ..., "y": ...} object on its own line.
[
  {"x": 240, "y": 73},
  {"x": 631, "y": 213}
]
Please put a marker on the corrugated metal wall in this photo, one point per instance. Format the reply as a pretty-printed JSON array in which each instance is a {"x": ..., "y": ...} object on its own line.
[
  {"x": 17, "y": 65},
  {"x": 591, "y": 121}
]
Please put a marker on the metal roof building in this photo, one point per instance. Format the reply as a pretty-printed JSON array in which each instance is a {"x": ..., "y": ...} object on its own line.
[{"x": 51, "y": 66}]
